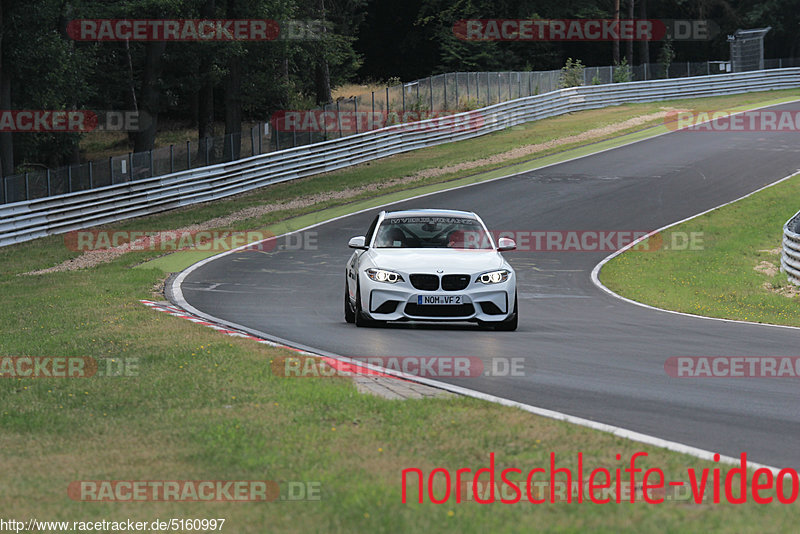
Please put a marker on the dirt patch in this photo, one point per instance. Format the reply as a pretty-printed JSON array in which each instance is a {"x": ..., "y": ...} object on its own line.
[
  {"x": 789, "y": 290},
  {"x": 92, "y": 258},
  {"x": 768, "y": 268}
]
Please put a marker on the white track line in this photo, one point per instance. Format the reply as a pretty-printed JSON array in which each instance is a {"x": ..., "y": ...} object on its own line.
[
  {"x": 617, "y": 431},
  {"x": 598, "y": 283}
]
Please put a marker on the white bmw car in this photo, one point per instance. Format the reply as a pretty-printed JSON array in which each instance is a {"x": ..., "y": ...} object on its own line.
[{"x": 430, "y": 265}]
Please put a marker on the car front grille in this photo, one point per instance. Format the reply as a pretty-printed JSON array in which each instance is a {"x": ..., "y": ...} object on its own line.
[
  {"x": 455, "y": 282},
  {"x": 422, "y": 310},
  {"x": 425, "y": 282}
]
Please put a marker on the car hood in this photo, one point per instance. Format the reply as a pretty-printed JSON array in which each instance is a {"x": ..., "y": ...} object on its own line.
[{"x": 450, "y": 261}]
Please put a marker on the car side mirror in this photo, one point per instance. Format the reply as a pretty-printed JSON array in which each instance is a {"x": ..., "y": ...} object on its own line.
[
  {"x": 505, "y": 243},
  {"x": 358, "y": 243}
]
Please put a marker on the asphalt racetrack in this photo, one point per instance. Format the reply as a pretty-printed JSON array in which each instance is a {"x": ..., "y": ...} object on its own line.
[{"x": 586, "y": 353}]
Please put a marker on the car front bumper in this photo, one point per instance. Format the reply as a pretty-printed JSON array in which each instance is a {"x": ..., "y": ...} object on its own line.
[{"x": 397, "y": 302}]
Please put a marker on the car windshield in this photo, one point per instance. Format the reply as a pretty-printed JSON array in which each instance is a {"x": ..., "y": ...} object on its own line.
[{"x": 432, "y": 232}]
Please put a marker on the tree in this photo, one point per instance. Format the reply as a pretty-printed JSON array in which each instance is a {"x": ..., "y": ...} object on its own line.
[{"x": 665, "y": 56}]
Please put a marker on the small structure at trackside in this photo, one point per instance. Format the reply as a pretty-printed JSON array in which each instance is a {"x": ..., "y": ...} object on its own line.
[
  {"x": 747, "y": 49},
  {"x": 790, "y": 249}
]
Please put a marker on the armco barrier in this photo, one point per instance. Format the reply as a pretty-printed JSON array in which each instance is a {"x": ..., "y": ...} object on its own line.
[
  {"x": 790, "y": 254},
  {"x": 23, "y": 221}
]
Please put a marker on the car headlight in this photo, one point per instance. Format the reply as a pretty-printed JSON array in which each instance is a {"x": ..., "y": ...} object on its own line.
[
  {"x": 493, "y": 277},
  {"x": 382, "y": 275}
]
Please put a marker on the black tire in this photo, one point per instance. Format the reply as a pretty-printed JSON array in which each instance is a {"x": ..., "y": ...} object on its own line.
[
  {"x": 349, "y": 313},
  {"x": 360, "y": 318},
  {"x": 509, "y": 325}
]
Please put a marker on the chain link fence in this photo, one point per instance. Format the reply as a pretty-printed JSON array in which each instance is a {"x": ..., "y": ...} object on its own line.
[{"x": 440, "y": 95}]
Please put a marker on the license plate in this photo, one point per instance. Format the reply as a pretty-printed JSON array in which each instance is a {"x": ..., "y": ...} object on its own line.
[{"x": 439, "y": 300}]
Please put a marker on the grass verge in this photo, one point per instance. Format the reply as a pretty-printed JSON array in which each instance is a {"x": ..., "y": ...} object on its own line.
[
  {"x": 733, "y": 271},
  {"x": 204, "y": 406}
]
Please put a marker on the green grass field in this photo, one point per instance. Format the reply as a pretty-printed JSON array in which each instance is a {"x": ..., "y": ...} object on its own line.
[
  {"x": 205, "y": 406},
  {"x": 720, "y": 279}
]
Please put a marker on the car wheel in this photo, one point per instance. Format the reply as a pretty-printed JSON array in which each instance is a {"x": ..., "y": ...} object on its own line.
[
  {"x": 509, "y": 325},
  {"x": 349, "y": 314},
  {"x": 360, "y": 318}
]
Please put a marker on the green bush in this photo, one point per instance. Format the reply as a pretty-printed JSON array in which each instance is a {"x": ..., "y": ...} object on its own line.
[{"x": 571, "y": 74}]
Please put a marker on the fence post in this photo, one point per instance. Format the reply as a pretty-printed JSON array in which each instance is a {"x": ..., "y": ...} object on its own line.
[
  {"x": 91, "y": 184},
  {"x": 233, "y": 156},
  {"x": 372, "y": 117},
  {"x": 456, "y": 108},
  {"x": 253, "y": 141},
  {"x": 188, "y": 155},
  {"x": 355, "y": 111},
  {"x": 403, "y": 90},
  {"x": 260, "y": 142},
  {"x": 69, "y": 178},
  {"x": 206, "y": 143},
  {"x": 151, "y": 162},
  {"x": 338, "y": 120},
  {"x": 430, "y": 90},
  {"x": 688, "y": 70},
  {"x": 387, "y": 100},
  {"x": 48, "y": 181},
  {"x": 444, "y": 107},
  {"x": 5, "y": 190},
  {"x": 171, "y": 158},
  {"x": 27, "y": 189},
  {"x": 324, "y": 123},
  {"x": 294, "y": 137},
  {"x": 130, "y": 166},
  {"x": 110, "y": 171}
]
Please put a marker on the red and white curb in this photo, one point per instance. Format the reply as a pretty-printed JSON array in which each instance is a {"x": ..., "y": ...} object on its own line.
[{"x": 342, "y": 368}]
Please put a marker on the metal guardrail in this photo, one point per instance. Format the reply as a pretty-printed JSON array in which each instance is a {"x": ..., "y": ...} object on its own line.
[
  {"x": 790, "y": 254},
  {"x": 23, "y": 221}
]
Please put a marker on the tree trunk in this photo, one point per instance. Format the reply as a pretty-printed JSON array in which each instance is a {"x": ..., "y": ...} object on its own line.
[
  {"x": 615, "y": 50},
  {"x": 6, "y": 140},
  {"x": 644, "y": 49},
  {"x": 322, "y": 77},
  {"x": 629, "y": 54},
  {"x": 144, "y": 139},
  {"x": 205, "y": 97},
  {"x": 233, "y": 109}
]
